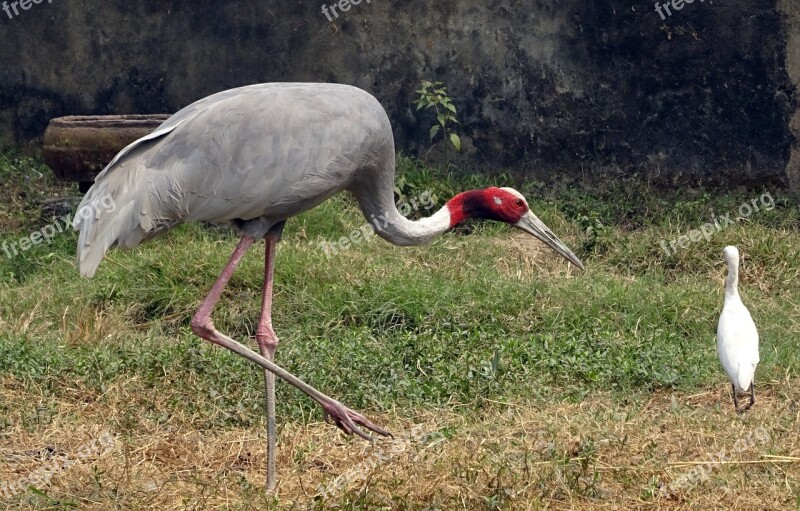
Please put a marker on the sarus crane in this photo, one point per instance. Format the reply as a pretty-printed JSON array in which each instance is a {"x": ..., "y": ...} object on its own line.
[
  {"x": 737, "y": 336},
  {"x": 254, "y": 157}
]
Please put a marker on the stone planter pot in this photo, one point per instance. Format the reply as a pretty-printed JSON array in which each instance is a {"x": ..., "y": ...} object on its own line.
[{"x": 78, "y": 147}]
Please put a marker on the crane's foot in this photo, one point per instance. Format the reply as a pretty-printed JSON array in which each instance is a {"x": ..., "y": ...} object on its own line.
[{"x": 348, "y": 421}]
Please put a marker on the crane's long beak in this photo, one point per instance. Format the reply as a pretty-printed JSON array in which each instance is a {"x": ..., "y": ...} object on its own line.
[{"x": 531, "y": 224}]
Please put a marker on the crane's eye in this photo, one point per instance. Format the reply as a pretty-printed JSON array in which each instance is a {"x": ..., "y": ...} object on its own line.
[{"x": 518, "y": 203}]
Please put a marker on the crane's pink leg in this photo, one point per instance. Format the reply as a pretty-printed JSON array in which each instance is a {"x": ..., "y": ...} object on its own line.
[
  {"x": 344, "y": 418},
  {"x": 267, "y": 345}
]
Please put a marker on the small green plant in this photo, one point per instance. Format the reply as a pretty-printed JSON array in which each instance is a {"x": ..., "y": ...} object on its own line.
[
  {"x": 598, "y": 234},
  {"x": 434, "y": 95}
]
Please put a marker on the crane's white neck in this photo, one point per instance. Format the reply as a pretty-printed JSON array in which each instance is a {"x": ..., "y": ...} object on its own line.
[
  {"x": 376, "y": 199},
  {"x": 399, "y": 230}
]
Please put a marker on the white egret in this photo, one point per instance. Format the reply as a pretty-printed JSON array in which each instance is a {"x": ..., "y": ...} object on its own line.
[{"x": 737, "y": 337}]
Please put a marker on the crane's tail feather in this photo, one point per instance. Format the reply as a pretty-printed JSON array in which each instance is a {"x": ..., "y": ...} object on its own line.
[
  {"x": 109, "y": 214},
  {"x": 96, "y": 237},
  {"x": 118, "y": 208}
]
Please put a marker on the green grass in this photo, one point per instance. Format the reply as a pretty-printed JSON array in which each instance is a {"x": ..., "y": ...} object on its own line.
[
  {"x": 382, "y": 326},
  {"x": 468, "y": 320}
]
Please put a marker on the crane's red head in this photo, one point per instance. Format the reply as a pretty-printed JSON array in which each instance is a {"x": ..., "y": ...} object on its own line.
[
  {"x": 500, "y": 204},
  {"x": 509, "y": 206}
]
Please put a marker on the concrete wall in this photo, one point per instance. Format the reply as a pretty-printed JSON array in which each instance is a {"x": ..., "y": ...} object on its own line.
[
  {"x": 791, "y": 10},
  {"x": 546, "y": 86}
]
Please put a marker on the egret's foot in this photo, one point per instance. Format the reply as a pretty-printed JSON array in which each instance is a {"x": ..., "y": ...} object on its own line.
[
  {"x": 347, "y": 420},
  {"x": 748, "y": 405},
  {"x": 745, "y": 407}
]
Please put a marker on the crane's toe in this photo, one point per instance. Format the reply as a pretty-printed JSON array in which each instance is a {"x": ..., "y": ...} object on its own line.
[{"x": 348, "y": 420}]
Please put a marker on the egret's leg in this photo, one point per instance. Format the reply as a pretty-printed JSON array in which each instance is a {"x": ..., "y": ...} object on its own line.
[
  {"x": 267, "y": 345},
  {"x": 735, "y": 399},
  {"x": 752, "y": 397},
  {"x": 344, "y": 418}
]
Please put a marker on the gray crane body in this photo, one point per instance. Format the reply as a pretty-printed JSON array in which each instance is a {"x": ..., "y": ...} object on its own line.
[{"x": 253, "y": 156}]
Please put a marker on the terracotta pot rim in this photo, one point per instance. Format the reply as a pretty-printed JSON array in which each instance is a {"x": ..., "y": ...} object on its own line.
[
  {"x": 77, "y": 147},
  {"x": 108, "y": 121}
]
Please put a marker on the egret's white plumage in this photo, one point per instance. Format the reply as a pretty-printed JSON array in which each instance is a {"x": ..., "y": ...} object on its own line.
[{"x": 737, "y": 337}]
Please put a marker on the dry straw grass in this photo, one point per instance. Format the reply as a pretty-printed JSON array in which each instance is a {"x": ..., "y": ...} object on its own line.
[{"x": 597, "y": 454}]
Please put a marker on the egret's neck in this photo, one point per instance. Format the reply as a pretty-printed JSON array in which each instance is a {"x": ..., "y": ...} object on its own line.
[{"x": 732, "y": 280}]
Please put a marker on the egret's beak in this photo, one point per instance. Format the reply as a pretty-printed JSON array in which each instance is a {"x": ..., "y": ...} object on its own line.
[{"x": 531, "y": 224}]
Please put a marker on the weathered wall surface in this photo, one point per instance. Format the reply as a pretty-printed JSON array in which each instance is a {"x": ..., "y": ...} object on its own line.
[
  {"x": 791, "y": 9},
  {"x": 547, "y": 86}
]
